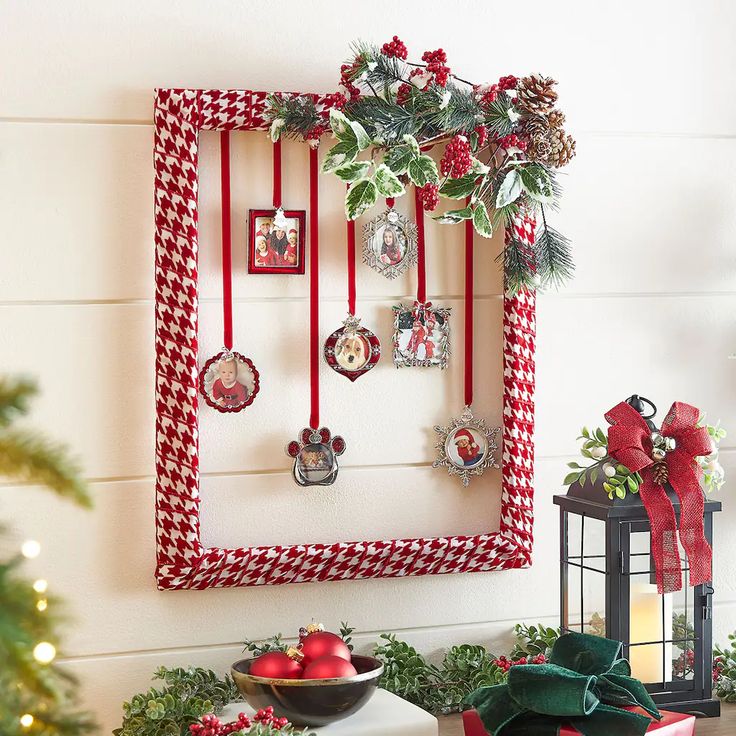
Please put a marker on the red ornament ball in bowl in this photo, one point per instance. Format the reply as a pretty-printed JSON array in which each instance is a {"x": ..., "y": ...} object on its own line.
[
  {"x": 276, "y": 665},
  {"x": 323, "y": 644},
  {"x": 328, "y": 667}
]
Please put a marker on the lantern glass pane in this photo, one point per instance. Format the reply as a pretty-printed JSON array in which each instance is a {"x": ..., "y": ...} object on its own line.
[{"x": 683, "y": 632}]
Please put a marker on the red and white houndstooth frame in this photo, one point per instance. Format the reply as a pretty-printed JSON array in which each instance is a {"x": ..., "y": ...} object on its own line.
[{"x": 182, "y": 561}]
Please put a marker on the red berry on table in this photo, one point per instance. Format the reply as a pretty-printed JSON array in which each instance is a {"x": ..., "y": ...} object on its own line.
[
  {"x": 321, "y": 644},
  {"x": 327, "y": 667}
]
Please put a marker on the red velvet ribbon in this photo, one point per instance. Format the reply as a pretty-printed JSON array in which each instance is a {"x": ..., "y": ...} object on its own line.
[
  {"x": 421, "y": 257},
  {"x": 277, "y": 174},
  {"x": 469, "y": 295},
  {"x": 227, "y": 270},
  {"x": 630, "y": 443},
  {"x": 351, "y": 266},
  {"x": 314, "y": 286}
]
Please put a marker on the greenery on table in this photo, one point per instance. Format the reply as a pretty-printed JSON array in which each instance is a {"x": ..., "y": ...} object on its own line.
[
  {"x": 724, "y": 670},
  {"x": 37, "y": 698},
  {"x": 185, "y": 696}
]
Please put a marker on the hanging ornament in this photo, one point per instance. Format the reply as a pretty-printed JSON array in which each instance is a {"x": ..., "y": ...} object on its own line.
[
  {"x": 352, "y": 350},
  {"x": 276, "y": 236},
  {"x": 390, "y": 243},
  {"x": 315, "y": 457},
  {"x": 315, "y": 452},
  {"x": 228, "y": 381},
  {"x": 467, "y": 447},
  {"x": 421, "y": 331}
]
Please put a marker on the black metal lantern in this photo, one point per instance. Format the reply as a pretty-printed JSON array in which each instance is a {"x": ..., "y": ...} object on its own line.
[{"x": 607, "y": 587}]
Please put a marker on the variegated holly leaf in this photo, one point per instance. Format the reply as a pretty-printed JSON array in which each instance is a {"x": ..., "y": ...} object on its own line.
[
  {"x": 509, "y": 190},
  {"x": 399, "y": 157},
  {"x": 353, "y": 171},
  {"x": 411, "y": 141},
  {"x": 340, "y": 154},
  {"x": 481, "y": 220},
  {"x": 459, "y": 188},
  {"x": 422, "y": 171},
  {"x": 452, "y": 217},
  {"x": 387, "y": 182},
  {"x": 361, "y": 196}
]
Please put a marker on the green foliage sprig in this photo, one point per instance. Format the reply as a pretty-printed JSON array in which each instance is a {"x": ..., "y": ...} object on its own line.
[
  {"x": 186, "y": 695},
  {"x": 533, "y": 640},
  {"x": 724, "y": 670},
  {"x": 272, "y": 644}
]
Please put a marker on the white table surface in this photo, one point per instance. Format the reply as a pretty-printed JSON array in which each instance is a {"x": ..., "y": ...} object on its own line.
[{"x": 385, "y": 714}]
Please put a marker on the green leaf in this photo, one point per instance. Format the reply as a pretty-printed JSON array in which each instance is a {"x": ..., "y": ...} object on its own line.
[
  {"x": 599, "y": 433},
  {"x": 339, "y": 155},
  {"x": 423, "y": 170},
  {"x": 536, "y": 182},
  {"x": 608, "y": 487},
  {"x": 362, "y": 138},
  {"x": 360, "y": 197},
  {"x": 387, "y": 182},
  {"x": 594, "y": 473},
  {"x": 509, "y": 190},
  {"x": 459, "y": 188},
  {"x": 398, "y": 158},
  {"x": 352, "y": 171},
  {"x": 451, "y": 217},
  {"x": 341, "y": 126},
  {"x": 631, "y": 483},
  {"x": 620, "y": 492},
  {"x": 570, "y": 478},
  {"x": 411, "y": 141},
  {"x": 481, "y": 221},
  {"x": 478, "y": 167},
  {"x": 574, "y": 465}
]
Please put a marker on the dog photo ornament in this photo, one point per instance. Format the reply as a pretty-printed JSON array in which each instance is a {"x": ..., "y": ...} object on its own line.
[{"x": 352, "y": 350}]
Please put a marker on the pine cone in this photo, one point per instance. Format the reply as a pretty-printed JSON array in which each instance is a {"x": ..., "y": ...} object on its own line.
[
  {"x": 562, "y": 148},
  {"x": 556, "y": 119},
  {"x": 535, "y": 95},
  {"x": 660, "y": 473},
  {"x": 539, "y": 148},
  {"x": 535, "y": 125}
]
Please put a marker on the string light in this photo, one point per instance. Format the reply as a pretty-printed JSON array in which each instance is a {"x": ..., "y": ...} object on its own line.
[
  {"x": 30, "y": 549},
  {"x": 44, "y": 652},
  {"x": 26, "y": 720},
  {"x": 40, "y": 586},
  {"x": 42, "y": 604}
]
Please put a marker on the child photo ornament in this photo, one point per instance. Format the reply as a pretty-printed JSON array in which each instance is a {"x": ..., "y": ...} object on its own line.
[
  {"x": 421, "y": 335},
  {"x": 352, "y": 350},
  {"x": 276, "y": 241},
  {"x": 229, "y": 382},
  {"x": 466, "y": 447},
  {"x": 315, "y": 456},
  {"x": 390, "y": 244}
]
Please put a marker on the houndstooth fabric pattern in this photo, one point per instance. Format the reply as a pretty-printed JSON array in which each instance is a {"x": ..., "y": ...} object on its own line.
[{"x": 182, "y": 562}]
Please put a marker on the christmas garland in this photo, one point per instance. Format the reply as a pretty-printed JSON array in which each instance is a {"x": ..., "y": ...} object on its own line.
[{"x": 503, "y": 143}]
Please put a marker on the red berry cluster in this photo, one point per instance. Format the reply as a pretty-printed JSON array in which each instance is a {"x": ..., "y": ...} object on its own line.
[
  {"x": 265, "y": 716},
  {"x": 429, "y": 196},
  {"x": 317, "y": 132},
  {"x": 395, "y": 48},
  {"x": 508, "y": 82},
  {"x": 457, "y": 159},
  {"x": 512, "y": 141},
  {"x": 347, "y": 75},
  {"x": 403, "y": 93},
  {"x": 437, "y": 65},
  {"x": 506, "y": 664},
  {"x": 210, "y": 725},
  {"x": 486, "y": 95},
  {"x": 336, "y": 100},
  {"x": 482, "y": 132}
]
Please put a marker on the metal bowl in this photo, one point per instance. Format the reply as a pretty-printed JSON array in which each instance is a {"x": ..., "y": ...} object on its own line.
[{"x": 310, "y": 702}]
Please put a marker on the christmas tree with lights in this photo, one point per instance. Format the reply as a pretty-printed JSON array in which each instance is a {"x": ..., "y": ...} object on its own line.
[{"x": 37, "y": 697}]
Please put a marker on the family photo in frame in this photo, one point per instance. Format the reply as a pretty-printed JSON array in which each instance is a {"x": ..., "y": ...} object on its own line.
[{"x": 276, "y": 245}]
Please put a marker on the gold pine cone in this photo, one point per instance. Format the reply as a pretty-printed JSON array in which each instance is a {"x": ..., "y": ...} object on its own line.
[
  {"x": 539, "y": 148},
  {"x": 562, "y": 148},
  {"x": 660, "y": 473},
  {"x": 535, "y": 95},
  {"x": 556, "y": 119},
  {"x": 535, "y": 125}
]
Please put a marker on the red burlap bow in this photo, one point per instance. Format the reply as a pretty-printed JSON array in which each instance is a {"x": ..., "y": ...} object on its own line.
[{"x": 630, "y": 443}]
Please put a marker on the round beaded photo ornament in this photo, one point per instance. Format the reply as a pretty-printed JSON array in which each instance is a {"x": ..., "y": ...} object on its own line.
[{"x": 229, "y": 381}]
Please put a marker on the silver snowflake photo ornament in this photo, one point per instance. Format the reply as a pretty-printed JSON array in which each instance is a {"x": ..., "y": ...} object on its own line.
[
  {"x": 390, "y": 243},
  {"x": 467, "y": 447}
]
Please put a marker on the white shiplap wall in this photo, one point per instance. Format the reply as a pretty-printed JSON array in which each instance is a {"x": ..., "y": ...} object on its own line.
[{"x": 649, "y": 204}]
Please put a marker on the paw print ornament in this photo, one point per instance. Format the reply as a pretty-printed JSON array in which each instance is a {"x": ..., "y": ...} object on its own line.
[{"x": 315, "y": 456}]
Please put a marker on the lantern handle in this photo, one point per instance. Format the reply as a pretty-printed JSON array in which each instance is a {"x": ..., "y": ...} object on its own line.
[{"x": 637, "y": 402}]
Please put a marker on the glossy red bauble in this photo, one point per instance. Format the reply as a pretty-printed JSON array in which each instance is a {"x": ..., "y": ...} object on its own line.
[
  {"x": 323, "y": 644},
  {"x": 328, "y": 666},
  {"x": 276, "y": 665}
]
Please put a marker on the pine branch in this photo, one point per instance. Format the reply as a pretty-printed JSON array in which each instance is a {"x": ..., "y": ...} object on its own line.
[
  {"x": 299, "y": 114},
  {"x": 15, "y": 394},
  {"x": 497, "y": 116},
  {"x": 382, "y": 118},
  {"x": 28, "y": 458},
  {"x": 553, "y": 255},
  {"x": 519, "y": 268},
  {"x": 460, "y": 115}
]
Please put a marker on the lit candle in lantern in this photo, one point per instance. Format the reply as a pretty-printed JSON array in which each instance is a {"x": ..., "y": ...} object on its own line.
[{"x": 647, "y": 622}]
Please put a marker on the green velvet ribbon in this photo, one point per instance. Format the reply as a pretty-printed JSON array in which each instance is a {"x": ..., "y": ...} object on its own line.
[{"x": 581, "y": 686}]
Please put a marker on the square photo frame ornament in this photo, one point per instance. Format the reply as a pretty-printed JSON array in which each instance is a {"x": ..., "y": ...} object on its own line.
[{"x": 181, "y": 560}]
